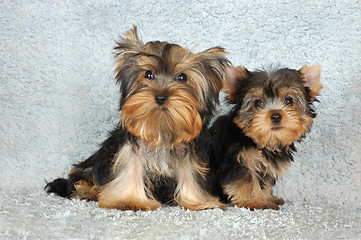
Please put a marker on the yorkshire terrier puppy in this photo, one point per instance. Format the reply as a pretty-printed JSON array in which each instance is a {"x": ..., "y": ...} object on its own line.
[
  {"x": 253, "y": 144},
  {"x": 157, "y": 154}
]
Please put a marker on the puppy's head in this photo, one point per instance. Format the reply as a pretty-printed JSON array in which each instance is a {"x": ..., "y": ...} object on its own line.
[
  {"x": 273, "y": 108},
  {"x": 167, "y": 92}
]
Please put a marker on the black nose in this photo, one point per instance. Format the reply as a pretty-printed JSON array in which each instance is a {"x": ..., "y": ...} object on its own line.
[
  {"x": 276, "y": 117},
  {"x": 160, "y": 99}
]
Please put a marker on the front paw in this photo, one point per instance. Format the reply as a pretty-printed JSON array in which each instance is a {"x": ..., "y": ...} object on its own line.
[
  {"x": 131, "y": 205},
  {"x": 271, "y": 203},
  {"x": 278, "y": 200},
  {"x": 202, "y": 205}
]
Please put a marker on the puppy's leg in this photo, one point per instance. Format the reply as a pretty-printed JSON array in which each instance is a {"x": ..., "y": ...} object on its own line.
[
  {"x": 127, "y": 190},
  {"x": 80, "y": 184},
  {"x": 190, "y": 193},
  {"x": 249, "y": 194}
]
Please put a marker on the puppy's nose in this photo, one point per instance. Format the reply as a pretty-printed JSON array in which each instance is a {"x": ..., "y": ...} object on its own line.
[
  {"x": 276, "y": 117},
  {"x": 160, "y": 100}
]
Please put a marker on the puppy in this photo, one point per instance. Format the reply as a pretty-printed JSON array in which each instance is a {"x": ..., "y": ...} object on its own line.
[
  {"x": 253, "y": 144},
  {"x": 157, "y": 154}
]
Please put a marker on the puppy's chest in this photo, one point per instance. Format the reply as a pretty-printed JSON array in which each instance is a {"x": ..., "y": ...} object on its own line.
[
  {"x": 158, "y": 161},
  {"x": 256, "y": 161}
]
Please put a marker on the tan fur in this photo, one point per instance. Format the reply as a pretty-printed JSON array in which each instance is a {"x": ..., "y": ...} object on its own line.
[
  {"x": 147, "y": 120},
  {"x": 254, "y": 118},
  {"x": 164, "y": 131},
  {"x": 127, "y": 190},
  {"x": 74, "y": 171},
  {"x": 134, "y": 46},
  {"x": 291, "y": 129},
  {"x": 189, "y": 193},
  {"x": 131, "y": 189},
  {"x": 254, "y": 160},
  {"x": 133, "y": 35},
  {"x": 285, "y": 92},
  {"x": 230, "y": 84},
  {"x": 86, "y": 190},
  {"x": 181, "y": 61},
  {"x": 293, "y": 126},
  {"x": 211, "y": 55},
  {"x": 247, "y": 192},
  {"x": 252, "y": 196},
  {"x": 312, "y": 79}
]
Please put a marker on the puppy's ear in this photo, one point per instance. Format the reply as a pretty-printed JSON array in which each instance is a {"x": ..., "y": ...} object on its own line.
[
  {"x": 234, "y": 75},
  {"x": 311, "y": 76},
  {"x": 130, "y": 42},
  {"x": 128, "y": 45},
  {"x": 214, "y": 61},
  {"x": 132, "y": 36},
  {"x": 125, "y": 51}
]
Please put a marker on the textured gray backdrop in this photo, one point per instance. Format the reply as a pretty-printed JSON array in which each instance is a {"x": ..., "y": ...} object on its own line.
[{"x": 58, "y": 99}]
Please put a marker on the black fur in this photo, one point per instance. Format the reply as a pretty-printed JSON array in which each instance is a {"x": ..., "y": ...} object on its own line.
[
  {"x": 228, "y": 139},
  {"x": 97, "y": 170},
  {"x": 99, "y": 164}
]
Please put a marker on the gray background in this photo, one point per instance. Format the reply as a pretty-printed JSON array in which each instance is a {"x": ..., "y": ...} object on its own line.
[{"x": 58, "y": 99}]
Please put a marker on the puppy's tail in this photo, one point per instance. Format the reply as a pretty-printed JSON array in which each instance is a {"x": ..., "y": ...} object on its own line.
[{"x": 59, "y": 186}]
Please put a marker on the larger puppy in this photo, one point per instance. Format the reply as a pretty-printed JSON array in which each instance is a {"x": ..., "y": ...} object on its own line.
[{"x": 157, "y": 153}]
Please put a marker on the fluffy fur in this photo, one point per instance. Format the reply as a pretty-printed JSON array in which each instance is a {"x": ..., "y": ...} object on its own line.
[
  {"x": 157, "y": 154},
  {"x": 253, "y": 143}
]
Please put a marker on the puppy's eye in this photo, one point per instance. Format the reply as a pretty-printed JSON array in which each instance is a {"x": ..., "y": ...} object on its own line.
[
  {"x": 149, "y": 75},
  {"x": 288, "y": 101},
  {"x": 181, "y": 78},
  {"x": 259, "y": 104}
]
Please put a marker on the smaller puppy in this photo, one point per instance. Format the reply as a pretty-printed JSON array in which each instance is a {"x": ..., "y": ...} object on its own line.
[{"x": 253, "y": 143}]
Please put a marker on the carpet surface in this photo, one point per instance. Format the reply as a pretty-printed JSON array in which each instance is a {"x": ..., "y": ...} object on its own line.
[
  {"x": 58, "y": 100},
  {"x": 33, "y": 215}
]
